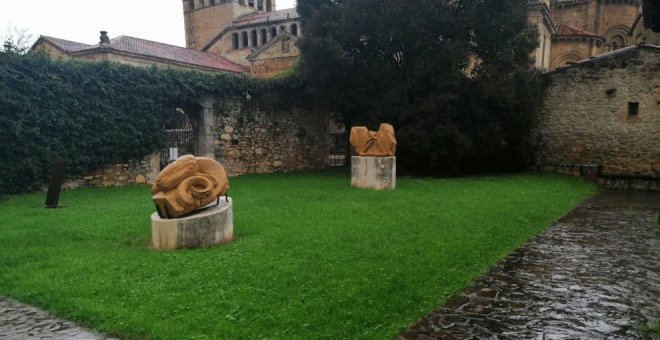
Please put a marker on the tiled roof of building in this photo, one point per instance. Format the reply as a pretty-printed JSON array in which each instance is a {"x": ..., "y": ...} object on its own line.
[
  {"x": 65, "y": 45},
  {"x": 566, "y": 30},
  {"x": 262, "y": 17},
  {"x": 153, "y": 49}
]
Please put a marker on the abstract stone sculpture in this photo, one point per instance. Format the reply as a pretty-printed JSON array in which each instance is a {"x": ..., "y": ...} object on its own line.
[
  {"x": 375, "y": 144},
  {"x": 187, "y": 184}
]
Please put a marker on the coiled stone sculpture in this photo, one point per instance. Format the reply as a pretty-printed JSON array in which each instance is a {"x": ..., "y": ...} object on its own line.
[{"x": 188, "y": 184}]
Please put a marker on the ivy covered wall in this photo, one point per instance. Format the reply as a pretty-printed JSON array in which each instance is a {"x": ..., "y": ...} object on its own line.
[{"x": 93, "y": 115}]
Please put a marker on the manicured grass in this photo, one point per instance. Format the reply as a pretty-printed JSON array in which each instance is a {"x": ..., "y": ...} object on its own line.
[{"x": 313, "y": 258}]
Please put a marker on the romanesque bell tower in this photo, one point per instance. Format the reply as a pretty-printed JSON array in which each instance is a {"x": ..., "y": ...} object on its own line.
[{"x": 206, "y": 19}]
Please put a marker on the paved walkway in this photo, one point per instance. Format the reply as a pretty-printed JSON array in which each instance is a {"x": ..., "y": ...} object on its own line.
[
  {"x": 595, "y": 274},
  {"x": 22, "y": 322}
]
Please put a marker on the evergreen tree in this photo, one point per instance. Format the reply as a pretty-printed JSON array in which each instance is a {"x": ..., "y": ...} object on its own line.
[{"x": 453, "y": 76}]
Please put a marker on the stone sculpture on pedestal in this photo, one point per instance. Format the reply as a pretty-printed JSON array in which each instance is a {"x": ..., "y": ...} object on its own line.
[
  {"x": 180, "y": 192},
  {"x": 374, "y": 167},
  {"x": 187, "y": 184}
]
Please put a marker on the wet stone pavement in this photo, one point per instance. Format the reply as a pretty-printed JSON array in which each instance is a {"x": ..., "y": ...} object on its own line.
[
  {"x": 22, "y": 322},
  {"x": 595, "y": 274}
]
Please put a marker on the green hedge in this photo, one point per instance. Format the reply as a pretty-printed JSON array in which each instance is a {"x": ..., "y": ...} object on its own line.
[{"x": 94, "y": 114}]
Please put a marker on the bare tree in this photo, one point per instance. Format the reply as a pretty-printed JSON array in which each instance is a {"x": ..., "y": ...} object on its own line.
[{"x": 16, "y": 39}]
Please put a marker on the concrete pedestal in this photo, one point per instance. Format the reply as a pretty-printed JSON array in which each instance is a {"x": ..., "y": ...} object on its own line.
[
  {"x": 373, "y": 172},
  {"x": 208, "y": 227}
]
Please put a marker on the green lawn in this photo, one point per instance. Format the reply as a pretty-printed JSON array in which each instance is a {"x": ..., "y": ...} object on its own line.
[{"x": 313, "y": 258}]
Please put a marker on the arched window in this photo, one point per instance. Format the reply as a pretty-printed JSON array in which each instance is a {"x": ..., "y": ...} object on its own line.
[
  {"x": 294, "y": 29},
  {"x": 264, "y": 36},
  {"x": 234, "y": 40},
  {"x": 251, "y": 3},
  {"x": 615, "y": 46},
  {"x": 253, "y": 38},
  {"x": 617, "y": 42},
  {"x": 191, "y": 5},
  {"x": 245, "y": 39},
  {"x": 616, "y": 37},
  {"x": 260, "y": 5},
  {"x": 273, "y": 32}
]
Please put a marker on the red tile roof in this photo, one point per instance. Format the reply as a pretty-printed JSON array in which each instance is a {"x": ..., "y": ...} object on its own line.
[
  {"x": 65, "y": 45},
  {"x": 152, "y": 49},
  {"x": 566, "y": 30},
  {"x": 262, "y": 17}
]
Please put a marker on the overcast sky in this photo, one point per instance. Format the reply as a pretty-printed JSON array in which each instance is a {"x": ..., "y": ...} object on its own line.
[{"x": 81, "y": 20}]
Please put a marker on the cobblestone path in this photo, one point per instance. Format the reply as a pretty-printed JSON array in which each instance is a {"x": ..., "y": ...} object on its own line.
[
  {"x": 22, "y": 322},
  {"x": 595, "y": 274}
]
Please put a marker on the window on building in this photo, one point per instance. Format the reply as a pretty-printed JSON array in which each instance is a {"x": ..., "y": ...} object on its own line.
[
  {"x": 269, "y": 6},
  {"x": 633, "y": 109},
  {"x": 260, "y": 5},
  {"x": 201, "y": 3},
  {"x": 191, "y": 5},
  {"x": 251, "y": 3},
  {"x": 234, "y": 41},
  {"x": 212, "y": 2},
  {"x": 245, "y": 39},
  {"x": 253, "y": 38},
  {"x": 294, "y": 29},
  {"x": 264, "y": 36},
  {"x": 617, "y": 42},
  {"x": 273, "y": 32}
]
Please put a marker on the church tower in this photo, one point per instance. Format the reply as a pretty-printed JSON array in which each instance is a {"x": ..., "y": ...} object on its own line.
[{"x": 205, "y": 19}]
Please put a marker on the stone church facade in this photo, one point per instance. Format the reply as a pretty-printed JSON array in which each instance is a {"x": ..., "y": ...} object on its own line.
[
  {"x": 574, "y": 30},
  {"x": 251, "y": 33}
]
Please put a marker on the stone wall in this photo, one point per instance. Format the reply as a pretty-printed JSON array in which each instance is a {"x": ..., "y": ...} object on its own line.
[
  {"x": 242, "y": 136},
  {"x": 604, "y": 114},
  {"x": 271, "y": 67},
  {"x": 127, "y": 173},
  {"x": 248, "y": 139}
]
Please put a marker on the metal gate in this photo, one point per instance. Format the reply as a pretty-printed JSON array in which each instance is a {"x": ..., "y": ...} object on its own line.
[
  {"x": 337, "y": 155},
  {"x": 181, "y": 138}
]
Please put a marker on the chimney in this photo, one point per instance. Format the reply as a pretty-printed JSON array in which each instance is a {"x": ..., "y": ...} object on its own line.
[{"x": 104, "y": 38}]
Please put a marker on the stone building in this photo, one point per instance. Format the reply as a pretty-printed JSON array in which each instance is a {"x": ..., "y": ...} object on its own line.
[
  {"x": 248, "y": 32},
  {"x": 136, "y": 52},
  {"x": 601, "y": 119},
  {"x": 574, "y": 30}
]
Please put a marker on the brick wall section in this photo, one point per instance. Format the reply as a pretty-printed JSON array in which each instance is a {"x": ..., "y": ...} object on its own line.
[
  {"x": 247, "y": 139},
  {"x": 585, "y": 122}
]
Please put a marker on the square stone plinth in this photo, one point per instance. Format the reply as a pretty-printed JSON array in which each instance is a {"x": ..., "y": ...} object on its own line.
[
  {"x": 377, "y": 173},
  {"x": 206, "y": 228}
]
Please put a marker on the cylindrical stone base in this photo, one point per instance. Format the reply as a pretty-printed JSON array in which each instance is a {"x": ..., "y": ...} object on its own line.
[
  {"x": 206, "y": 228},
  {"x": 373, "y": 172}
]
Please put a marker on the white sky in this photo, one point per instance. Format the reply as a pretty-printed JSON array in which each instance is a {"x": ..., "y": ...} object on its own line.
[{"x": 81, "y": 20}]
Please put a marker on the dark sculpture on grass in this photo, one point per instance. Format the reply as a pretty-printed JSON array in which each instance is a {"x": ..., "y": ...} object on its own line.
[
  {"x": 187, "y": 184},
  {"x": 374, "y": 144}
]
